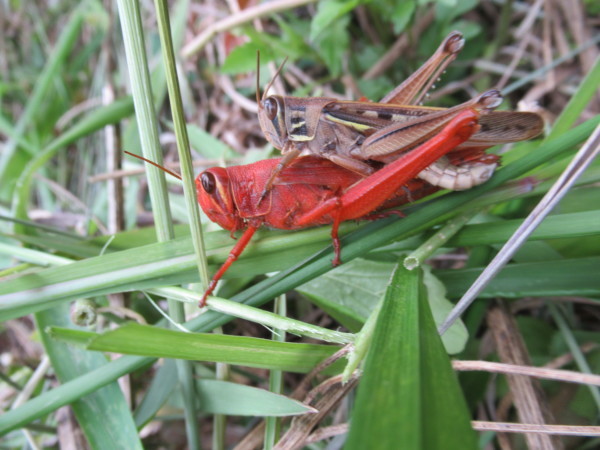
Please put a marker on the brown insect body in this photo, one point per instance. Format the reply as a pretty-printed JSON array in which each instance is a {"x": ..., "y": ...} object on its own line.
[{"x": 351, "y": 133}]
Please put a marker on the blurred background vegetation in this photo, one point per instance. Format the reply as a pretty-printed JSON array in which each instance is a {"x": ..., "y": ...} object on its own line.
[{"x": 66, "y": 116}]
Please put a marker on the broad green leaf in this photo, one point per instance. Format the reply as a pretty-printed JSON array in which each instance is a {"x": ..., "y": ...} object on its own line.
[
  {"x": 401, "y": 14},
  {"x": 409, "y": 396},
  {"x": 222, "y": 397},
  {"x": 332, "y": 43},
  {"x": 279, "y": 45},
  {"x": 352, "y": 290},
  {"x": 469, "y": 29},
  {"x": 456, "y": 337},
  {"x": 328, "y": 12},
  {"x": 447, "y": 10}
]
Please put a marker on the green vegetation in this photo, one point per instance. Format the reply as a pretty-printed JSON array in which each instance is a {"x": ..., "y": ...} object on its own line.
[{"x": 87, "y": 237}]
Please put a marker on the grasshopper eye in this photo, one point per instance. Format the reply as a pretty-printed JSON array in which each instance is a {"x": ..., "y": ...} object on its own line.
[
  {"x": 208, "y": 182},
  {"x": 270, "y": 108}
]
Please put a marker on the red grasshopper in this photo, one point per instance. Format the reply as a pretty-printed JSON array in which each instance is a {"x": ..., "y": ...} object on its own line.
[{"x": 315, "y": 191}]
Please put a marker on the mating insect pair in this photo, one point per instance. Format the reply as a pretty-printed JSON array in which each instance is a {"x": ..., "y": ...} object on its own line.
[
  {"x": 421, "y": 148},
  {"x": 358, "y": 157},
  {"x": 315, "y": 191}
]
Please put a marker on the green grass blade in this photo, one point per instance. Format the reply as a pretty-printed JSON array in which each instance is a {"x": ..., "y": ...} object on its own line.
[
  {"x": 183, "y": 144},
  {"x": 160, "y": 342},
  {"x": 157, "y": 394},
  {"x": 133, "y": 39},
  {"x": 189, "y": 190},
  {"x": 558, "y": 226},
  {"x": 575, "y": 349},
  {"x": 69, "y": 392},
  {"x": 139, "y": 74},
  {"x": 587, "y": 90},
  {"x": 574, "y": 277},
  {"x": 140, "y": 268},
  {"x": 276, "y": 384}
]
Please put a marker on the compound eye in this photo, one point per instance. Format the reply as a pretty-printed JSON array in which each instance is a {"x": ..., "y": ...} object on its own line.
[
  {"x": 270, "y": 108},
  {"x": 208, "y": 182}
]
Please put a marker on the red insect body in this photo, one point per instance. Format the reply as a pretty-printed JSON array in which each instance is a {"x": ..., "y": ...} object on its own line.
[
  {"x": 235, "y": 202},
  {"x": 314, "y": 191}
]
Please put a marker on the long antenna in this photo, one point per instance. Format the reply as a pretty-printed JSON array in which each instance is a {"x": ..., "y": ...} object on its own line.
[
  {"x": 258, "y": 77},
  {"x": 154, "y": 164},
  {"x": 274, "y": 78}
]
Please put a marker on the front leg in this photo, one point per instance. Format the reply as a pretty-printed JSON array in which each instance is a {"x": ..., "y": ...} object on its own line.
[
  {"x": 352, "y": 164},
  {"x": 235, "y": 252},
  {"x": 290, "y": 153}
]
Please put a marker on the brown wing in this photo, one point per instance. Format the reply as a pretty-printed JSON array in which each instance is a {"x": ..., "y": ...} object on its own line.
[{"x": 502, "y": 127}]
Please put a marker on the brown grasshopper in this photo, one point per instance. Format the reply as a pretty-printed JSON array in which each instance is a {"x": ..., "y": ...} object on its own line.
[{"x": 350, "y": 133}]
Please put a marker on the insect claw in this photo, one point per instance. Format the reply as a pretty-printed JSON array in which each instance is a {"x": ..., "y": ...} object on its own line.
[
  {"x": 454, "y": 42},
  {"x": 491, "y": 99},
  {"x": 211, "y": 288}
]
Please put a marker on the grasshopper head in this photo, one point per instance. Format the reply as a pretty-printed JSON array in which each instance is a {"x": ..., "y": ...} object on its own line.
[
  {"x": 271, "y": 116},
  {"x": 271, "y": 110},
  {"x": 214, "y": 196}
]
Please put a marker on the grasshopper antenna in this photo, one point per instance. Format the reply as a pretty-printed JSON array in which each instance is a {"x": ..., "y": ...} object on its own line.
[
  {"x": 274, "y": 78},
  {"x": 154, "y": 164},
  {"x": 258, "y": 77}
]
